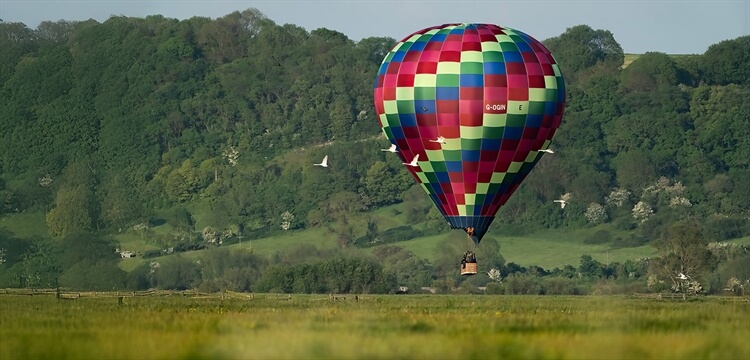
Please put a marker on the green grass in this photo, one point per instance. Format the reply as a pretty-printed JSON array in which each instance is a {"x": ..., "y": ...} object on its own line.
[
  {"x": 25, "y": 225},
  {"x": 547, "y": 248},
  {"x": 557, "y": 248},
  {"x": 740, "y": 241},
  {"x": 426, "y": 247},
  {"x": 629, "y": 58},
  {"x": 376, "y": 327}
]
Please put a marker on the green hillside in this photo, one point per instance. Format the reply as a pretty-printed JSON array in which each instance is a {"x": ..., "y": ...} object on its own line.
[
  {"x": 177, "y": 138},
  {"x": 545, "y": 248}
]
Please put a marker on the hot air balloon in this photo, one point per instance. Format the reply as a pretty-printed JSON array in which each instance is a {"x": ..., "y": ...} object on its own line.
[{"x": 477, "y": 103}]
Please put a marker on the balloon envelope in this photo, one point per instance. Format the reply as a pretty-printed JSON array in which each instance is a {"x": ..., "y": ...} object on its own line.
[{"x": 476, "y": 102}]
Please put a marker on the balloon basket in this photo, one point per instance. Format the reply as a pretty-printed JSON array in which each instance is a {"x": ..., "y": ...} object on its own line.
[{"x": 469, "y": 269}]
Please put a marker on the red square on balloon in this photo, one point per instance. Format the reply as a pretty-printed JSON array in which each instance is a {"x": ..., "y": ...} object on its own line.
[
  {"x": 427, "y": 68},
  {"x": 472, "y": 119},
  {"x": 450, "y": 56},
  {"x": 405, "y": 80}
]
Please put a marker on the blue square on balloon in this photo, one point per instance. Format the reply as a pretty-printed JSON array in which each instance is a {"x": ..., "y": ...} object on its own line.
[
  {"x": 534, "y": 120},
  {"x": 424, "y": 106},
  {"x": 491, "y": 144},
  {"x": 407, "y": 119},
  {"x": 512, "y": 56},
  {"x": 398, "y": 56},
  {"x": 446, "y": 93},
  {"x": 472, "y": 80},
  {"x": 443, "y": 177},
  {"x": 418, "y": 46},
  {"x": 512, "y": 133},
  {"x": 453, "y": 166},
  {"x": 494, "y": 68},
  {"x": 470, "y": 155},
  {"x": 438, "y": 38},
  {"x": 524, "y": 47},
  {"x": 397, "y": 131},
  {"x": 550, "y": 107}
]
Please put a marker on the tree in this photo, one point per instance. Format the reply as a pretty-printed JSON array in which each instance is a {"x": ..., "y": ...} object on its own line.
[
  {"x": 652, "y": 70},
  {"x": 417, "y": 204},
  {"x": 581, "y": 47},
  {"x": 119, "y": 202},
  {"x": 72, "y": 212},
  {"x": 682, "y": 250},
  {"x": 728, "y": 62},
  {"x": 634, "y": 170},
  {"x": 590, "y": 268},
  {"x": 383, "y": 184},
  {"x": 183, "y": 183}
]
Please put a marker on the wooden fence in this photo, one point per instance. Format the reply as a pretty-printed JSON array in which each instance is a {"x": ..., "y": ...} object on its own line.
[
  {"x": 66, "y": 294},
  {"x": 72, "y": 294}
]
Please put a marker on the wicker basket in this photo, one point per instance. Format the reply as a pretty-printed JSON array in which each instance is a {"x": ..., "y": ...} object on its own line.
[{"x": 469, "y": 269}]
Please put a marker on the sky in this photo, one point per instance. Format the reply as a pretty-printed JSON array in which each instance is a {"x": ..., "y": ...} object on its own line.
[{"x": 639, "y": 26}]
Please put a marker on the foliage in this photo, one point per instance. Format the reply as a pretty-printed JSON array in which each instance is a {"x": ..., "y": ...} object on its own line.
[
  {"x": 683, "y": 251},
  {"x": 213, "y": 125},
  {"x": 338, "y": 275}
]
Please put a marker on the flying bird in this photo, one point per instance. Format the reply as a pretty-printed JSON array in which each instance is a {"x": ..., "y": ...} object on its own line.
[
  {"x": 562, "y": 203},
  {"x": 324, "y": 163},
  {"x": 439, "y": 140},
  {"x": 390, "y": 149},
  {"x": 683, "y": 277},
  {"x": 548, "y": 151},
  {"x": 413, "y": 161}
]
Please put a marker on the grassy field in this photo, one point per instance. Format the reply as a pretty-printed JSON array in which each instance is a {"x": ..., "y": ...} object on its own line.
[
  {"x": 629, "y": 58},
  {"x": 25, "y": 225},
  {"x": 375, "y": 327},
  {"x": 547, "y": 248}
]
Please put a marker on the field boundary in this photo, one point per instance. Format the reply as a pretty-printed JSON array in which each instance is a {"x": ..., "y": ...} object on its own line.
[
  {"x": 72, "y": 294},
  {"x": 686, "y": 297},
  {"x": 66, "y": 294}
]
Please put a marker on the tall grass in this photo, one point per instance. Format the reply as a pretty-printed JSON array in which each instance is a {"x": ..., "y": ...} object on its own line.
[
  {"x": 25, "y": 225},
  {"x": 376, "y": 327}
]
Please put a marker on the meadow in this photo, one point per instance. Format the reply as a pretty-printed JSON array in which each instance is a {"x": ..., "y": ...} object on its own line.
[{"x": 274, "y": 326}]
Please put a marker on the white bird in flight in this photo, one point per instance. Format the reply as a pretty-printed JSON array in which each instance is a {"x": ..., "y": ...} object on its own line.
[
  {"x": 682, "y": 276},
  {"x": 324, "y": 163},
  {"x": 413, "y": 161},
  {"x": 439, "y": 140},
  {"x": 548, "y": 151},
  {"x": 562, "y": 203},
  {"x": 390, "y": 149}
]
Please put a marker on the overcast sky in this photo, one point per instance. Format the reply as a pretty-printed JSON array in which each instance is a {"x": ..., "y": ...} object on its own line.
[{"x": 670, "y": 26}]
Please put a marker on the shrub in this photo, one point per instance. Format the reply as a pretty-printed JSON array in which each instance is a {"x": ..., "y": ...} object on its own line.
[
  {"x": 599, "y": 237},
  {"x": 718, "y": 229},
  {"x": 522, "y": 284}
]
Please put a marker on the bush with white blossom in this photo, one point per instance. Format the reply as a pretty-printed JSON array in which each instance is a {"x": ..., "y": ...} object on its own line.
[
  {"x": 617, "y": 197},
  {"x": 494, "y": 275},
  {"x": 642, "y": 211},
  {"x": 211, "y": 236},
  {"x": 596, "y": 214},
  {"x": 231, "y": 154},
  {"x": 286, "y": 220}
]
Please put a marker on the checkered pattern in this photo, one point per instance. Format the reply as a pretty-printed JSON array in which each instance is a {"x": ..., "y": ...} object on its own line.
[{"x": 495, "y": 94}]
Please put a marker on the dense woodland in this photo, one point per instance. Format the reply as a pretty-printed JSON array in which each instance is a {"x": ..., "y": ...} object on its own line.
[{"x": 117, "y": 125}]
